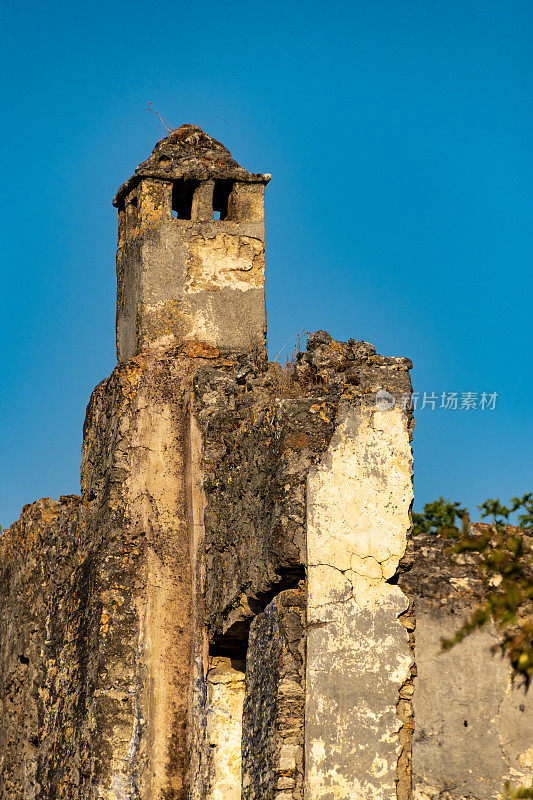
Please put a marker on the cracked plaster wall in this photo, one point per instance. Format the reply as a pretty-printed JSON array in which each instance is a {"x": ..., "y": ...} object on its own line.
[
  {"x": 467, "y": 685},
  {"x": 358, "y": 654}
]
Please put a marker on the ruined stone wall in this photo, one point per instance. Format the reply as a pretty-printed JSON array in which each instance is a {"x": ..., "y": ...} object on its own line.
[
  {"x": 308, "y": 485},
  {"x": 232, "y": 609},
  {"x": 96, "y": 600},
  {"x": 178, "y": 584},
  {"x": 473, "y": 724},
  {"x": 263, "y": 431},
  {"x": 274, "y": 710},
  {"x": 47, "y": 653},
  {"x": 218, "y": 615}
]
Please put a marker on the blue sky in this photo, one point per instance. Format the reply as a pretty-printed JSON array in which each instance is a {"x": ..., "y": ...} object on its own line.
[{"x": 400, "y": 209}]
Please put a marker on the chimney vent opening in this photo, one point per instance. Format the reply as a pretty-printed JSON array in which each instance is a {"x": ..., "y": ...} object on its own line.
[
  {"x": 221, "y": 195},
  {"x": 182, "y": 197}
]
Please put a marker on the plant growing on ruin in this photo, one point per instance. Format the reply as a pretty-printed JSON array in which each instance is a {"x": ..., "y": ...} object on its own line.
[
  {"x": 438, "y": 517},
  {"x": 501, "y": 514},
  {"x": 168, "y": 128},
  {"x": 519, "y": 793},
  {"x": 506, "y": 566}
]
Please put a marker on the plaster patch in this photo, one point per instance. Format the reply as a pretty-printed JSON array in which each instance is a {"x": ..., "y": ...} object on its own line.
[
  {"x": 472, "y": 723},
  {"x": 225, "y": 692},
  {"x": 357, "y": 651},
  {"x": 235, "y": 262}
]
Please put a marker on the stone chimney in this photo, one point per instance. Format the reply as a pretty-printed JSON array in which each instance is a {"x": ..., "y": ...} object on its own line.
[{"x": 191, "y": 249}]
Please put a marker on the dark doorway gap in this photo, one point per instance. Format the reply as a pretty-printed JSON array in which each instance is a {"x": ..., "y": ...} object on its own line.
[{"x": 234, "y": 643}]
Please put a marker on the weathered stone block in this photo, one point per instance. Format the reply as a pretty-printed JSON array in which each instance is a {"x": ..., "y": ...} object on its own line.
[{"x": 473, "y": 724}]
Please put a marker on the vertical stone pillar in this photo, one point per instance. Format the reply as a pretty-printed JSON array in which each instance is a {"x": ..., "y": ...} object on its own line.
[
  {"x": 358, "y": 654},
  {"x": 156, "y": 505},
  {"x": 273, "y": 718},
  {"x": 134, "y": 469}
]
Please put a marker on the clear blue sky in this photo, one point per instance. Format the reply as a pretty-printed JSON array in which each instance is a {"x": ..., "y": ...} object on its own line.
[{"x": 399, "y": 136}]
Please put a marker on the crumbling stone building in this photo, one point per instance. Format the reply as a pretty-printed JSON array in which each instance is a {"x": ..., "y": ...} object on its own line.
[{"x": 227, "y": 610}]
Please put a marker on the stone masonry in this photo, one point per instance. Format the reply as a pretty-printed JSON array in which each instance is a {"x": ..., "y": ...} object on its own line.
[{"x": 232, "y": 609}]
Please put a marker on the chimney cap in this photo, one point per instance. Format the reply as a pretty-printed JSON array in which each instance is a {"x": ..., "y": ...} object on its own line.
[{"x": 188, "y": 152}]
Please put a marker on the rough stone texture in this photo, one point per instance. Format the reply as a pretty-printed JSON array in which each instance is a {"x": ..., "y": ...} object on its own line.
[
  {"x": 275, "y": 698},
  {"x": 259, "y": 450},
  {"x": 231, "y": 506},
  {"x": 263, "y": 430},
  {"x": 358, "y": 654},
  {"x": 256, "y": 459},
  {"x": 189, "y": 152},
  {"x": 473, "y": 725},
  {"x": 47, "y": 652},
  {"x": 106, "y": 666}
]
